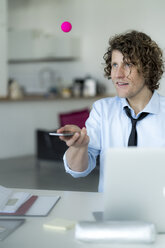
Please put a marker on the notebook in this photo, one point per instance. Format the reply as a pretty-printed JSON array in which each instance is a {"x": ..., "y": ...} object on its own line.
[
  {"x": 10, "y": 201},
  {"x": 134, "y": 186},
  {"x": 23, "y": 208},
  {"x": 42, "y": 206},
  {"x": 35, "y": 206}
]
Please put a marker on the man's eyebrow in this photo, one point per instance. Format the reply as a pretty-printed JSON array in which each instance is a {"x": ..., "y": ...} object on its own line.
[
  {"x": 113, "y": 61},
  {"x": 128, "y": 62}
]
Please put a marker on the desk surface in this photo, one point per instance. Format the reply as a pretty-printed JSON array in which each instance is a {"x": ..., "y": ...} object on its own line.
[{"x": 72, "y": 205}]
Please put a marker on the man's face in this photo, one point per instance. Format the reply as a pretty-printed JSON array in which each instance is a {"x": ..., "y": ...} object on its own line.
[{"x": 129, "y": 83}]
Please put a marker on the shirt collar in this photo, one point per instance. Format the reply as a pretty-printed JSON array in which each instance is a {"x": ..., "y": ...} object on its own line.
[{"x": 153, "y": 105}]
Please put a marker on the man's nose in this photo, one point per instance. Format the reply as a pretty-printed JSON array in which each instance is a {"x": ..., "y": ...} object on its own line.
[{"x": 120, "y": 73}]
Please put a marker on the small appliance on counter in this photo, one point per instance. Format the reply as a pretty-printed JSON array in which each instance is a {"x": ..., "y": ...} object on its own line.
[
  {"x": 15, "y": 91},
  {"x": 78, "y": 86},
  {"x": 85, "y": 87},
  {"x": 90, "y": 87}
]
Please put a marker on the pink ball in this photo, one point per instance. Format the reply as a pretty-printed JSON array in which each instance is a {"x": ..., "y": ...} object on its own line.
[{"x": 66, "y": 27}]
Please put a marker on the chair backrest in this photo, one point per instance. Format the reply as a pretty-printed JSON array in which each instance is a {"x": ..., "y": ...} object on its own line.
[
  {"x": 49, "y": 147},
  {"x": 77, "y": 117}
]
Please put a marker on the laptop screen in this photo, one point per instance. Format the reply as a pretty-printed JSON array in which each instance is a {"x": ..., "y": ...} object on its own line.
[{"x": 134, "y": 185}]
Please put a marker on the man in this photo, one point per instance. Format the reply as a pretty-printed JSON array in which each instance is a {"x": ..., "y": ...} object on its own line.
[{"x": 135, "y": 65}]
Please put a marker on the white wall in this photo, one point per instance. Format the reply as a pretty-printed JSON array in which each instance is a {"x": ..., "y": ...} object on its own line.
[
  {"x": 3, "y": 48},
  {"x": 92, "y": 20}
]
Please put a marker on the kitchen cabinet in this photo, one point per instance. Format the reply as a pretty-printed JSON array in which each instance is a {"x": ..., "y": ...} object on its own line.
[{"x": 35, "y": 45}]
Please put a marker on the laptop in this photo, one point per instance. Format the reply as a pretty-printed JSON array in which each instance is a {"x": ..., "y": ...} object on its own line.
[{"x": 134, "y": 186}]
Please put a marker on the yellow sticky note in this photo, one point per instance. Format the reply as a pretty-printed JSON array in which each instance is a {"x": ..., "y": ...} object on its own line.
[{"x": 59, "y": 224}]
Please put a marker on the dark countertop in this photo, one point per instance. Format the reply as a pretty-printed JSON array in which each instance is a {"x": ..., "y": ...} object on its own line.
[{"x": 30, "y": 98}]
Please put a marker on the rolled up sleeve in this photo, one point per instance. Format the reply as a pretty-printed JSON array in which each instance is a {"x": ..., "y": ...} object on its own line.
[{"x": 92, "y": 154}]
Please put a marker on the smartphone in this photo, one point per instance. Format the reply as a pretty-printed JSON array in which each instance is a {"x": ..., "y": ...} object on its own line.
[{"x": 65, "y": 133}]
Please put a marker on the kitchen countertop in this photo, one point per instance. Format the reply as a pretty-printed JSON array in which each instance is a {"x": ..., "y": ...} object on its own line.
[{"x": 30, "y": 98}]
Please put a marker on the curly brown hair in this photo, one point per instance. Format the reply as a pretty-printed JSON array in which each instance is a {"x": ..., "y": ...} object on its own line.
[{"x": 139, "y": 49}]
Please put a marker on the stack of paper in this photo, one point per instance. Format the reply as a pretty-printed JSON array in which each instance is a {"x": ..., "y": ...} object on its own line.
[
  {"x": 11, "y": 202},
  {"x": 4, "y": 196}
]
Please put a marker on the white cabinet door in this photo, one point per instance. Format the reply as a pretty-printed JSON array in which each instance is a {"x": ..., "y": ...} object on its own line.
[
  {"x": 3, "y": 48},
  {"x": 41, "y": 46}
]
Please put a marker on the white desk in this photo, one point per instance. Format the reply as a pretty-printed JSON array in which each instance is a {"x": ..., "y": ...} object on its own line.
[{"x": 72, "y": 205}]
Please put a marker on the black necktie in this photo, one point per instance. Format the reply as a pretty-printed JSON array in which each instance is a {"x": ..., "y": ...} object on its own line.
[{"x": 132, "y": 141}]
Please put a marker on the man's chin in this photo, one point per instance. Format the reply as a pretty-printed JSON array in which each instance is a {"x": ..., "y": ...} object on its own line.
[{"x": 122, "y": 95}]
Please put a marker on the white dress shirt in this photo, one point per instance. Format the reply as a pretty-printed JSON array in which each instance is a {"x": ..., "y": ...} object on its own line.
[{"x": 109, "y": 126}]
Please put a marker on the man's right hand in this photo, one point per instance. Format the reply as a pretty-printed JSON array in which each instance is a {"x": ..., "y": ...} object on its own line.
[{"x": 79, "y": 139}]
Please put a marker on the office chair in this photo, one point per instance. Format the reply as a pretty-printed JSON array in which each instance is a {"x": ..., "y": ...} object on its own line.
[
  {"x": 48, "y": 147},
  {"x": 74, "y": 117},
  {"x": 51, "y": 148}
]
